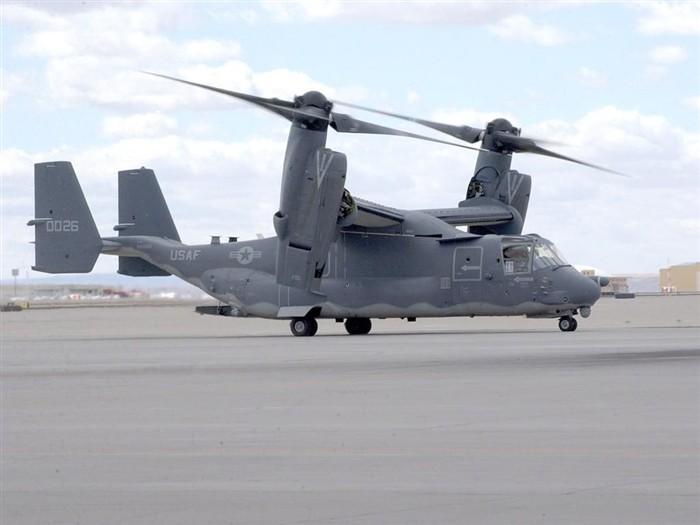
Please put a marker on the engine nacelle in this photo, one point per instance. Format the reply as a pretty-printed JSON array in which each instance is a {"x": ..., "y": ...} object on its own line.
[
  {"x": 307, "y": 226},
  {"x": 510, "y": 189}
]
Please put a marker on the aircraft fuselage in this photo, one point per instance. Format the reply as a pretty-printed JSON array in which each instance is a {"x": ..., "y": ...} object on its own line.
[{"x": 382, "y": 275}]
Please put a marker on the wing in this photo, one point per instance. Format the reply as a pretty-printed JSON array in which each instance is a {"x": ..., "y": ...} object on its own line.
[
  {"x": 475, "y": 214},
  {"x": 373, "y": 215}
]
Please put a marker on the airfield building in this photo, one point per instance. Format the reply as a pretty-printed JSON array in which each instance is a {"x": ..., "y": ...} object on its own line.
[{"x": 682, "y": 278}]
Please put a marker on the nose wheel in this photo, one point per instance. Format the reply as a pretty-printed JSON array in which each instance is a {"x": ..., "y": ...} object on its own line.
[{"x": 567, "y": 324}]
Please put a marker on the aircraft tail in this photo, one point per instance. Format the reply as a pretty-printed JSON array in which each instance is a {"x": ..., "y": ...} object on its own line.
[
  {"x": 66, "y": 238},
  {"x": 142, "y": 211}
]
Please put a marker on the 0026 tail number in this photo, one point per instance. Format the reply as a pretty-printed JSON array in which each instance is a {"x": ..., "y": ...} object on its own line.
[{"x": 62, "y": 226}]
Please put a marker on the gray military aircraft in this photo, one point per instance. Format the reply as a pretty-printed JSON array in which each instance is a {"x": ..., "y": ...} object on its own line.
[{"x": 335, "y": 256}]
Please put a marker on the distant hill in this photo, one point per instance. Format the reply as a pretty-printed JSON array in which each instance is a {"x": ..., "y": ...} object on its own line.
[
  {"x": 103, "y": 279},
  {"x": 643, "y": 283}
]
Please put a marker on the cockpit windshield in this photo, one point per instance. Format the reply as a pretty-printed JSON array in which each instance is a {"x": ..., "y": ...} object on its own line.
[
  {"x": 547, "y": 255},
  {"x": 527, "y": 254}
]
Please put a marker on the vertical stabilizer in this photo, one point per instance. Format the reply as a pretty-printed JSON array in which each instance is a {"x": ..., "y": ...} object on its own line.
[
  {"x": 142, "y": 211},
  {"x": 66, "y": 238},
  {"x": 142, "y": 207}
]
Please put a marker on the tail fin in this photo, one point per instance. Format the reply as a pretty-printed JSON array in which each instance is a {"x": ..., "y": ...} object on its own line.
[
  {"x": 66, "y": 238},
  {"x": 142, "y": 211}
]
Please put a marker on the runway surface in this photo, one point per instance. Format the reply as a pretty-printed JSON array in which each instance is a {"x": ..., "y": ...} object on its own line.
[{"x": 157, "y": 415}]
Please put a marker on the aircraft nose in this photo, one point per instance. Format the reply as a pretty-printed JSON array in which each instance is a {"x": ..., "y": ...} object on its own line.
[{"x": 586, "y": 291}]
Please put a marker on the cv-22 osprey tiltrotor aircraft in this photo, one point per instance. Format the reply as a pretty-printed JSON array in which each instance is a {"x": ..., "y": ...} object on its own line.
[{"x": 335, "y": 256}]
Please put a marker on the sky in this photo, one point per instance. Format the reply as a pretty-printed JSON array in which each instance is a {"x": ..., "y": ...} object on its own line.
[{"x": 615, "y": 84}]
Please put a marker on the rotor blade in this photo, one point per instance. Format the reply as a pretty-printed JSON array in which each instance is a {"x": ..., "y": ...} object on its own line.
[
  {"x": 343, "y": 123},
  {"x": 518, "y": 144},
  {"x": 465, "y": 133},
  {"x": 283, "y": 108}
]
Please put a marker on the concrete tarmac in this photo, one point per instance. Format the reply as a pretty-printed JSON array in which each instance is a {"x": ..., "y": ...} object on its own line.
[{"x": 155, "y": 415}]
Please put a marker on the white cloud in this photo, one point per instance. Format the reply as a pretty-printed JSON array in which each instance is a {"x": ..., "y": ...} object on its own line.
[
  {"x": 210, "y": 50},
  {"x": 323, "y": 8},
  {"x": 691, "y": 142},
  {"x": 692, "y": 102},
  {"x": 634, "y": 143},
  {"x": 655, "y": 71},
  {"x": 283, "y": 83},
  {"x": 668, "y": 54},
  {"x": 590, "y": 77},
  {"x": 8, "y": 85},
  {"x": 238, "y": 76},
  {"x": 414, "y": 12},
  {"x": 49, "y": 44},
  {"x": 413, "y": 97},
  {"x": 32, "y": 16},
  {"x": 109, "y": 30},
  {"x": 96, "y": 64},
  {"x": 661, "y": 58},
  {"x": 521, "y": 28},
  {"x": 623, "y": 214},
  {"x": 669, "y": 18},
  {"x": 143, "y": 125},
  {"x": 92, "y": 55},
  {"x": 234, "y": 75}
]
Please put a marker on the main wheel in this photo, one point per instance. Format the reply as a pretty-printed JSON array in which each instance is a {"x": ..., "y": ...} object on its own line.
[
  {"x": 358, "y": 325},
  {"x": 567, "y": 324},
  {"x": 303, "y": 326}
]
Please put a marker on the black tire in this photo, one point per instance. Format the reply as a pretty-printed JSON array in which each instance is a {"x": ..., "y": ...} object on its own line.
[
  {"x": 303, "y": 326},
  {"x": 358, "y": 325},
  {"x": 567, "y": 324}
]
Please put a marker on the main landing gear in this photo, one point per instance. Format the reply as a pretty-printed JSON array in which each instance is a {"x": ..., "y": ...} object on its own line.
[
  {"x": 303, "y": 326},
  {"x": 307, "y": 326},
  {"x": 358, "y": 325},
  {"x": 567, "y": 324}
]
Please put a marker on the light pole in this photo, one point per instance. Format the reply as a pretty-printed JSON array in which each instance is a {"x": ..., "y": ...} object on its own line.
[{"x": 15, "y": 273}]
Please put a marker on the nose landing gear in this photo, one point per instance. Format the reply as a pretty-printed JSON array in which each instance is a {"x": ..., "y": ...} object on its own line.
[{"x": 567, "y": 324}]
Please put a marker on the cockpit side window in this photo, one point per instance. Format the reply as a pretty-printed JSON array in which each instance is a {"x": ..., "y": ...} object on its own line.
[{"x": 517, "y": 258}]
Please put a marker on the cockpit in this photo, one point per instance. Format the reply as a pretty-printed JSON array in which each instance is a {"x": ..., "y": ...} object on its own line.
[{"x": 529, "y": 253}]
